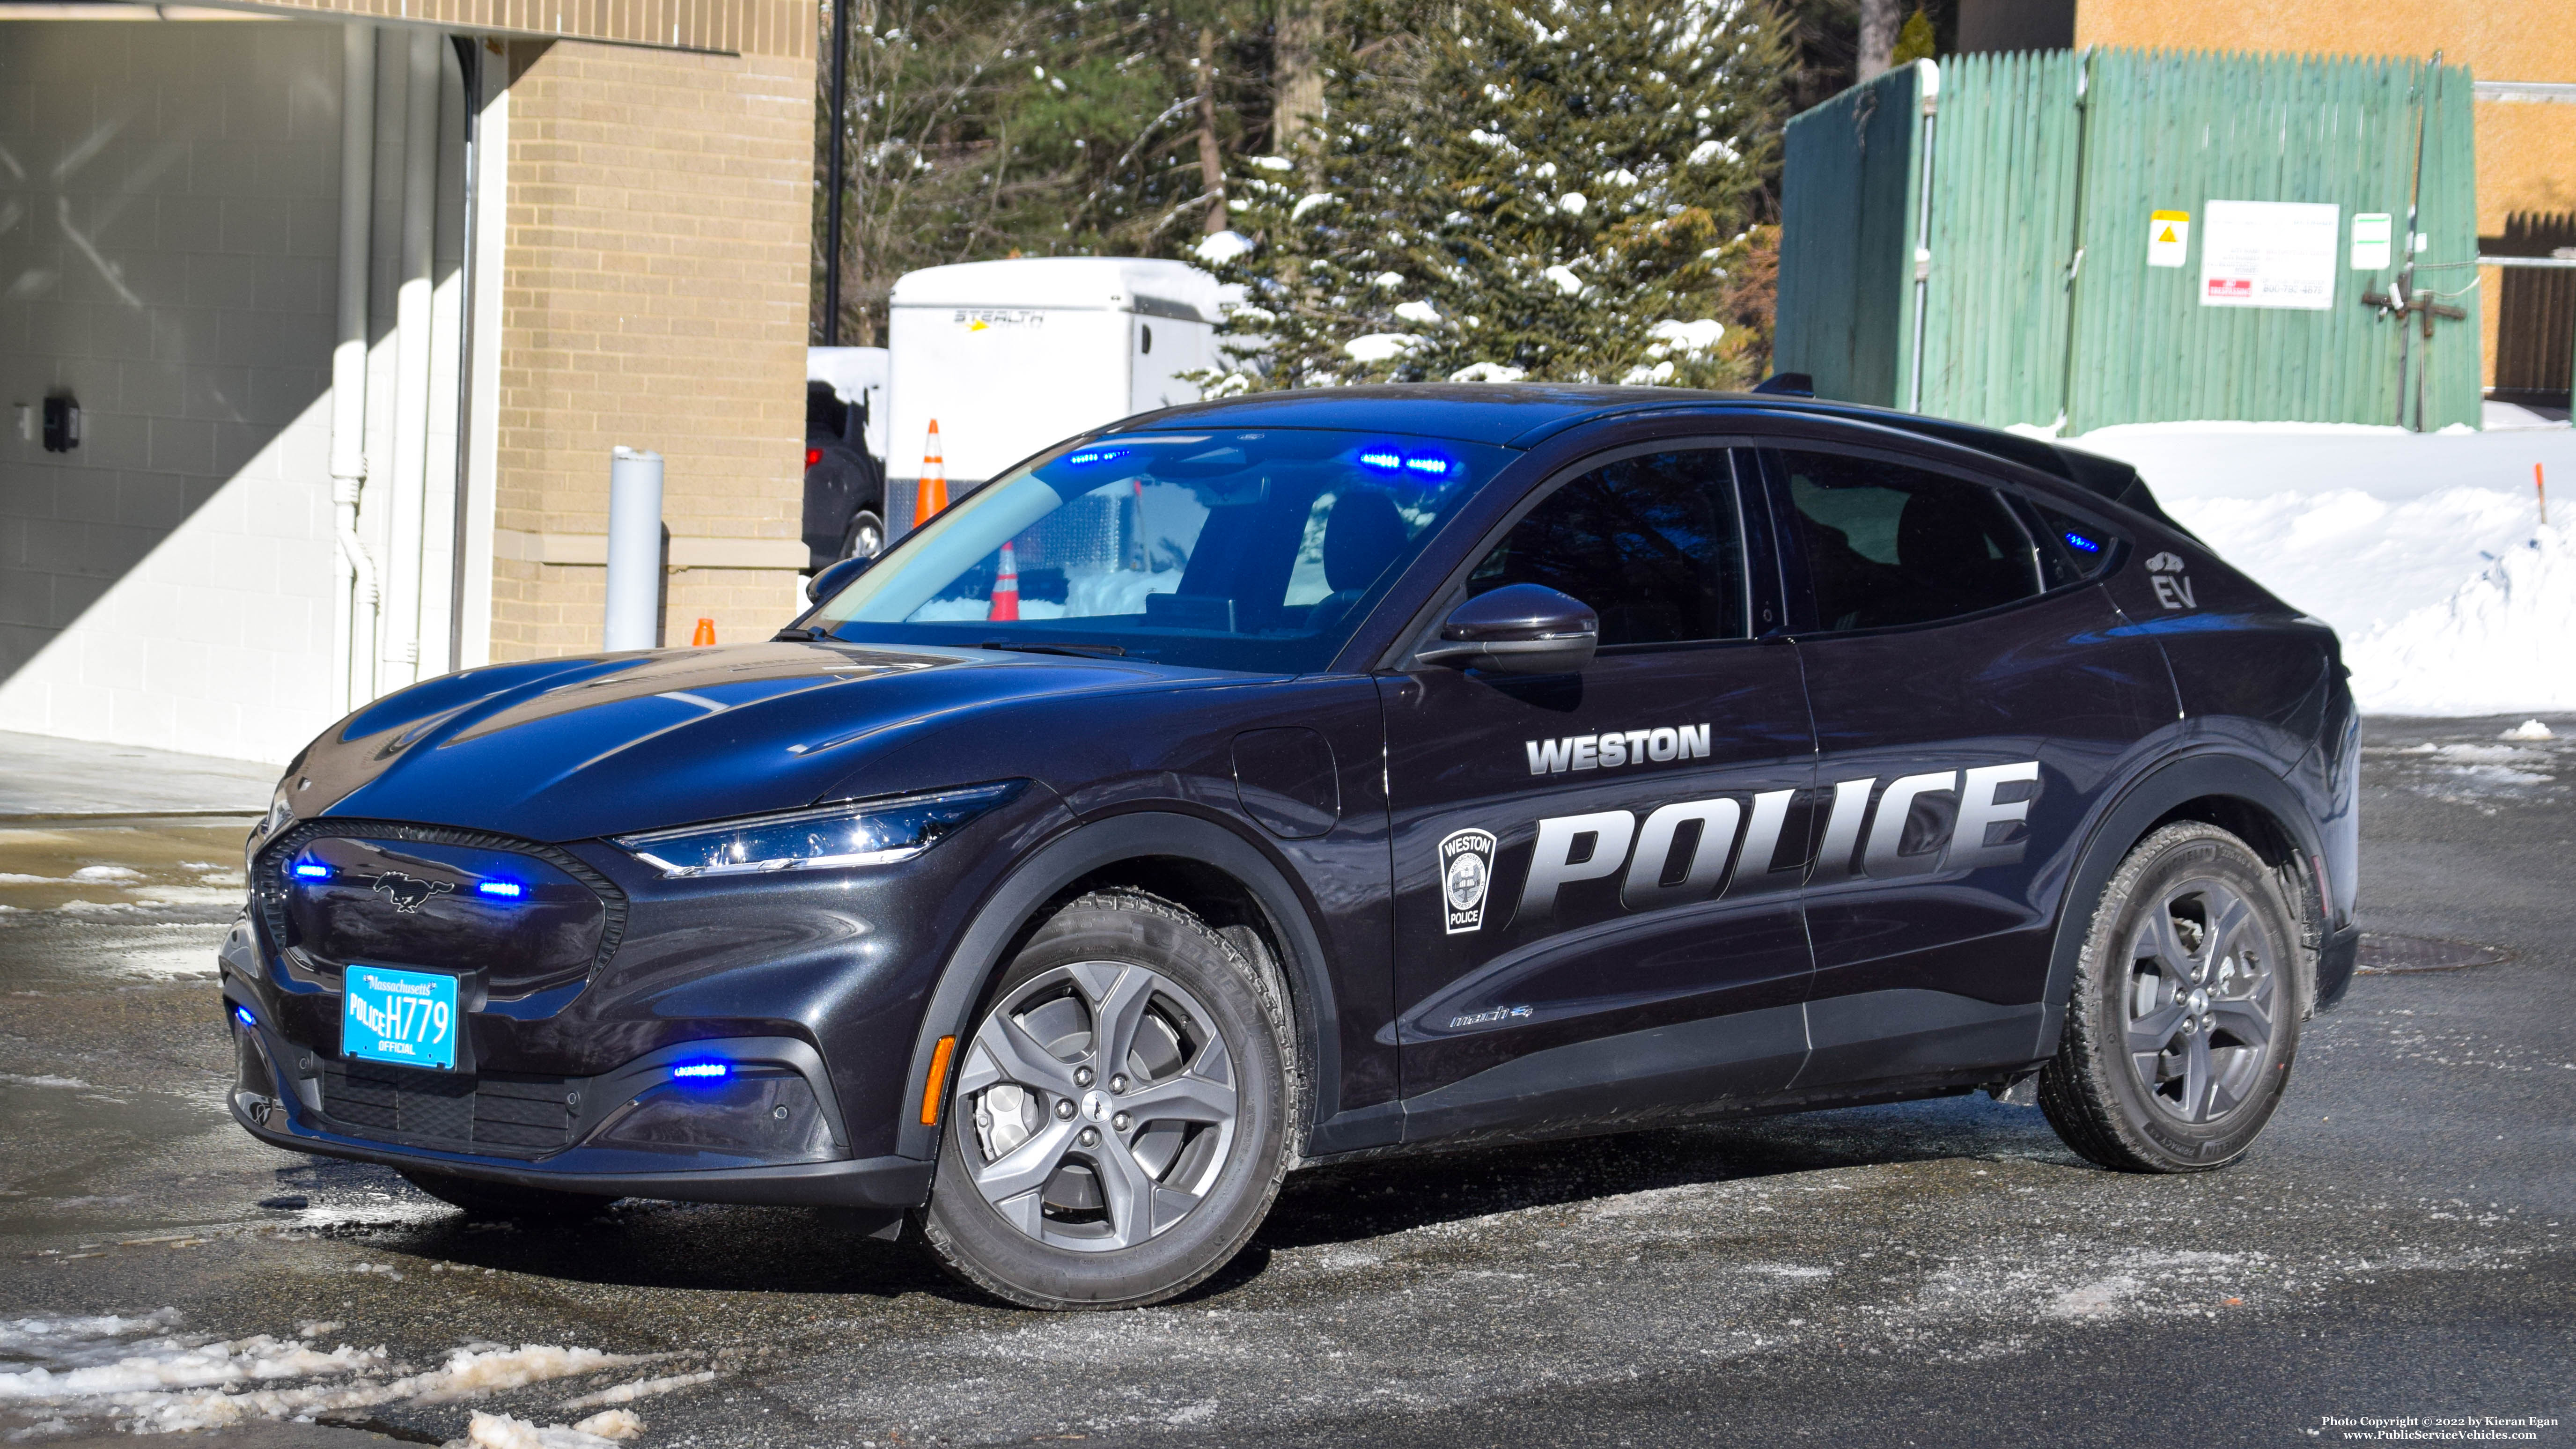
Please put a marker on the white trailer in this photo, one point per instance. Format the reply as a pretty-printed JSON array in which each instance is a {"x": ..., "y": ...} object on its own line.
[{"x": 1011, "y": 356}]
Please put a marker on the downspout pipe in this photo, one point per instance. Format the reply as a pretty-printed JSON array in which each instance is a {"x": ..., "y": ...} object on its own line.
[
  {"x": 353, "y": 615},
  {"x": 412, "y": 322}
]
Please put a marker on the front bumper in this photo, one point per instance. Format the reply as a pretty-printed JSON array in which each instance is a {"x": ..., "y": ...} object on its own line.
[{"x": 281, "y": 1098}]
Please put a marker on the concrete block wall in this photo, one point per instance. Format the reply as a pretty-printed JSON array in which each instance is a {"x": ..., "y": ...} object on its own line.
[
  {"x": 167, "y": 240},
  {"x": 654, "y": 295}
]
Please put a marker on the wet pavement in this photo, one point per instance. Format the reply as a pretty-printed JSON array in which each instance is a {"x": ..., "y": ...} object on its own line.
[{"x": 1935, "y": 1273}]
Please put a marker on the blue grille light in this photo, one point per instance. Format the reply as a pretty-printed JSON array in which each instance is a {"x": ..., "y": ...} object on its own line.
[
  {"x": 242, "y": 1015},
  {"x": 312, "y": 870},
  {"x": 703, "y": 1071},
  {"x": 2081, "y": 544},
  {"x": 508, "y": 890},
  {"x": 1382, "y": 460}
]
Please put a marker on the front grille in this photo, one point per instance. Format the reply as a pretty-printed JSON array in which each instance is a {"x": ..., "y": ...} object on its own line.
[
  {"x": 394, "y": 894},
  {"x": 509, "y": 1115}
]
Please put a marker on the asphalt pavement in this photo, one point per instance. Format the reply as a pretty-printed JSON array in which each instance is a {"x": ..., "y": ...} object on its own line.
[{"x": 2396, "y": 1247}]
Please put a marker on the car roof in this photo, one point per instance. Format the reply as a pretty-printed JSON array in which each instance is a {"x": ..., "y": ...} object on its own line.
[{"x": 1523, "y": 414}]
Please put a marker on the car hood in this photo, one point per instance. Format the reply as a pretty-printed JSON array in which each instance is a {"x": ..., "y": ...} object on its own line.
[{"x": 569, "y": 749}]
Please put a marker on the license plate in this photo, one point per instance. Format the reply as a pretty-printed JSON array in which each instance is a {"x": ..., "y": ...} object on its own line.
[{"x": 404, "y": 1017}]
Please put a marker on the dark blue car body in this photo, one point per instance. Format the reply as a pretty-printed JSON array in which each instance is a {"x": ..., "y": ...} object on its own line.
[{"x": 1305, "y": 816}]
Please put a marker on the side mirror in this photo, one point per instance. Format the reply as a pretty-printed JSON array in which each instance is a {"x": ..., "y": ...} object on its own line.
[
  {"x": 1517, "y": 629},
  {"x": 836, "y": 577}
]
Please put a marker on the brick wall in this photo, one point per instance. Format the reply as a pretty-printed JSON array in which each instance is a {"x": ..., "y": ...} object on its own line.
[{"x": 654, "y": 294}]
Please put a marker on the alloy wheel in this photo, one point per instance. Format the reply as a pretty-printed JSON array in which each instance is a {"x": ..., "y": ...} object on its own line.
[
  {"x": 2200, "y": 1000},
  {"x": 1103, "y": 1103}
]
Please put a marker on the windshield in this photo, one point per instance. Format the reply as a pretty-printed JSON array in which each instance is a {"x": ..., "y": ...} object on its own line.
[{"x": 1220, "y": 550}]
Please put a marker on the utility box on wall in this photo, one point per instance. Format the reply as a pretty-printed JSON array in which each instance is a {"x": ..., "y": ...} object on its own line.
[
  {"x": 2119, "y": 236},
  {"x": 1008, "y": 357}
]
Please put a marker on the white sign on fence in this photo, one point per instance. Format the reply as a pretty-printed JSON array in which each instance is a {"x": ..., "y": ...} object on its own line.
[
  {"x": 2370, "y": 232},
  {"x": 2168, "y": 238},
  {"x": 2269, "y": 254}
]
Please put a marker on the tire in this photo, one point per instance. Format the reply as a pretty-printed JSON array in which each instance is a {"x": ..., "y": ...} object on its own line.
[
  {"x": 1021, "y": 1205},
  {"x": 2179, "y": 1039},
  {"x": 502, "y": 1202},
  {"x": 865, "y": 537}
]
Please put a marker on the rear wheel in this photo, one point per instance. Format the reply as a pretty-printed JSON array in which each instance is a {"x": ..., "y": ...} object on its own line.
[
  {"x": 503, "y": 1202},
  {"x": 2186, "y": 1011},
  {"x": 1120, "y": 1117},
  {"x": 865, "y": 537}
]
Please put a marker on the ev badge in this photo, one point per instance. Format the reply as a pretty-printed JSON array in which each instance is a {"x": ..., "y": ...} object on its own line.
[
  {"x": 1466, "y": 869},
  {"x": 2172, "y": 586}
]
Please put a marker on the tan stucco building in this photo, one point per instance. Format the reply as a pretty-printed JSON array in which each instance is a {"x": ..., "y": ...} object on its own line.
[{"x": 353, "y": 300}]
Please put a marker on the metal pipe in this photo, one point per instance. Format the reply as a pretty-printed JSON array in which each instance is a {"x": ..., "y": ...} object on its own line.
[
  {"x": 1928, "y": 75},
  {"x": 469, "y": 65},
  {"x": 634, "y": 550},
  {"x": 832, "y": 223},
  {"x": 353, "y": 610},
  {"x": 412, "y": 322}
]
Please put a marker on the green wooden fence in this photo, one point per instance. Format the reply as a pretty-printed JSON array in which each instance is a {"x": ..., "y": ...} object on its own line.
[{"x": 1972, "y": 239}]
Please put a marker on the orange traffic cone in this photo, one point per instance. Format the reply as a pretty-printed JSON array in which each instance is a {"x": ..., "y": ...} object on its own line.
[
  {"x": 1006, "y": 588},
  {"x": 930, "y": 495},
  {"x": 706, "y": 633}
]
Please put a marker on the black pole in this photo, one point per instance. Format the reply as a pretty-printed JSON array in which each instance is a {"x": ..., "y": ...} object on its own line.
[{"x": 840, "y": 123}]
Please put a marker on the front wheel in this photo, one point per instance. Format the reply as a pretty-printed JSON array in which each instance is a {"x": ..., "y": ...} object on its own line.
[
  {"x": 1120, "y": 1118},
  {"x": 2186, "y": 1011}
]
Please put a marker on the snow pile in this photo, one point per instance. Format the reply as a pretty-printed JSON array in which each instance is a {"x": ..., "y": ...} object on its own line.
[
  {"x": 2426, "y": 553},
  {"x": 2505, "y": 641},
  {"x": 150, "y": 1380}
]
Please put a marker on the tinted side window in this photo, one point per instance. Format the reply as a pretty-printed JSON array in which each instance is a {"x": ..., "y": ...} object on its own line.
[
  {"x": 1887, "y": 544},
  {"x": 1651, "y": 543}
]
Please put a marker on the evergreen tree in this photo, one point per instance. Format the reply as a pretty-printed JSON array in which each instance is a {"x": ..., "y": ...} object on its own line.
[{"x": 1515, "y": 188}]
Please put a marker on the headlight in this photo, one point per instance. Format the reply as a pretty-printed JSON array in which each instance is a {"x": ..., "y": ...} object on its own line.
[{"x": 870, "y": 832}]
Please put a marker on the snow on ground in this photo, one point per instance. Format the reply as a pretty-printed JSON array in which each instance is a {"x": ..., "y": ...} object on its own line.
[
  {"x": 2425, "y": 551},
  {"x": 149, "y": 1379}
]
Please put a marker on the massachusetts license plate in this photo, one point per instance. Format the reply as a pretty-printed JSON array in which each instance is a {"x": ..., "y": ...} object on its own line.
[{"x": 404, "y": 1017}]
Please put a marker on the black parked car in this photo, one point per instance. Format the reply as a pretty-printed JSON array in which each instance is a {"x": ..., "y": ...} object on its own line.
[
  {"x": 1272, "y": 780},
  {"x": 844, "y": 485}
]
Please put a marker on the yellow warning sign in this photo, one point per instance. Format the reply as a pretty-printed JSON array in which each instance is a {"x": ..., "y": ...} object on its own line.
[{"x": 2168, "y": 238}]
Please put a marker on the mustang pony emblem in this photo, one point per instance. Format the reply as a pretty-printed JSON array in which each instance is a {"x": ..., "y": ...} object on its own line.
[{"x": 409, "y": 892}]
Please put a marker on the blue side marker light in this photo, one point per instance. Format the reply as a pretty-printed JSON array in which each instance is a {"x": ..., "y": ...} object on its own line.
[
  {"x": 1382, "y": 460},
  {"x": 508, "y": 890},
  {"x": 702, "y": 1071},
  {"x": 242, "y": 1015},
  {"x": 2081, "y": 544},
  {"x": 312, "y": 870}
]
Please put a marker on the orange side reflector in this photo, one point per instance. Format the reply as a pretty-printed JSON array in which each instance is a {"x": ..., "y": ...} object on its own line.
[{"x": 938, "y": 1078}]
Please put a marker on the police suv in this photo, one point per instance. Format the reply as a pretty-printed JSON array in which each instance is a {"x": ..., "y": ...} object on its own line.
[{"x": 1277, "y": 779}]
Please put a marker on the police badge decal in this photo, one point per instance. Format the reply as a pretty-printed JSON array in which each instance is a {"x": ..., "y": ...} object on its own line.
[{"x": 1466, "y": 869}]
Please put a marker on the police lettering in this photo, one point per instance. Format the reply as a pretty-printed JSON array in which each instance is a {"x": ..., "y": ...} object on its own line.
[{"x": 1934, "y": 821}]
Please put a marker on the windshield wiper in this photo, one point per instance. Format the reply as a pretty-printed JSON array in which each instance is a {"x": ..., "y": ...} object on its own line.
[
  {"x": 1078, "y": 651},
  {"x": 798, "y": 634}
]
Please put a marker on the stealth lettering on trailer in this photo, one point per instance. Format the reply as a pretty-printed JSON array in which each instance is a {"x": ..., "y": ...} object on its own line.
[{"x": 1992, "y": 804}]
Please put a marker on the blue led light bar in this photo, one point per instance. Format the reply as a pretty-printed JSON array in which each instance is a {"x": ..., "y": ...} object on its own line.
[
  {"x": 1382, "y": 460},
  {"x": 1436, "y": 467},
  {"x": 312, "y": 870},
  {"x": 1096, "y": 455},
  {"x": 242, "y": 1015},
  {"x": 508, "y": 890},
  {"x": 2081, "y": 544},
  {"x": 703, "y": 1071}
]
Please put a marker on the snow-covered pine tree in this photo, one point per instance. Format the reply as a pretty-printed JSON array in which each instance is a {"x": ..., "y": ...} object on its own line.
[{"x": 1537, "y": 189}]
